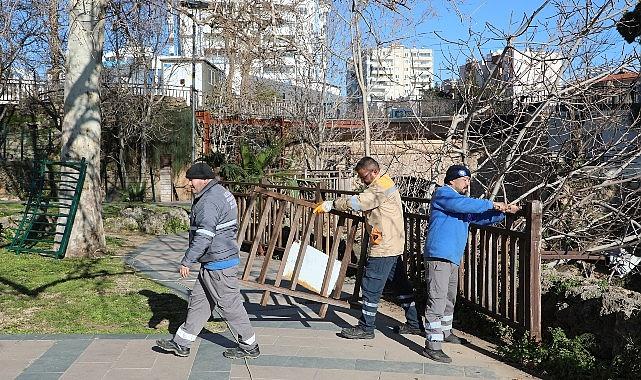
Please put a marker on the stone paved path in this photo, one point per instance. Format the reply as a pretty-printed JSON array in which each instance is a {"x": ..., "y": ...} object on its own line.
[{"x": 295, "y": 344}]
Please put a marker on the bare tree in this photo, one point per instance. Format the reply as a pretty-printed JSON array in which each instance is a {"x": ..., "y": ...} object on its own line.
[
  {"x": 556, "y": 121},
  {"x": 81, "y": 132},
  {"x": 138, "y": 111}
]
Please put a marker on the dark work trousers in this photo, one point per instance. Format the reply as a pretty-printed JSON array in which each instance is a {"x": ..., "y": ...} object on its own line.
[
  {"x": 216, "y": 287},
  {"x": 378, "y": 271},
  {"x": 441, "y": 278}
]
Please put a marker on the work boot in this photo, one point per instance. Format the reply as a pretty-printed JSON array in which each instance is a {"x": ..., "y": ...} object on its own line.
[
  {"x": 171, "y": 346},
  {"x": 406, "y": 329},
  {"x": 437, "y": 355},
  {"x": 241, "y": 353},
  {"x": 356, "y": 333},
  {"x": 454, "y": 339}
]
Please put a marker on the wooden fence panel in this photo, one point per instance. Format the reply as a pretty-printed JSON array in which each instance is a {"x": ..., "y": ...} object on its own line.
[
  {"x": 499, "y": 273},
  {"x": 263, "y": 219}
]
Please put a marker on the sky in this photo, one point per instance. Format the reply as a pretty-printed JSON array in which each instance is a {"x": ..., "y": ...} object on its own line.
[
  {"x": 453, "y": 19},
  {"x": 451, "y": 22},
  {"x": 448, "y": 22},
  {"x": 441, "y": 24}
]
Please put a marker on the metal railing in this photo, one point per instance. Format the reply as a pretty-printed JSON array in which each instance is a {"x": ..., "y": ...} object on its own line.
[
  {"x": 12, "y": 91},
  {"x": 51, "y": 208}
]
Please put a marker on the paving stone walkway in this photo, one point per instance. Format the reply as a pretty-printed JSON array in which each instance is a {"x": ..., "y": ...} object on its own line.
[{"x": 294, "y": 342}]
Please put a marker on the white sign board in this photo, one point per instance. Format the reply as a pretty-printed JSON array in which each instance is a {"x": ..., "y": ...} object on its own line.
[{"x": 313, "y": 269}]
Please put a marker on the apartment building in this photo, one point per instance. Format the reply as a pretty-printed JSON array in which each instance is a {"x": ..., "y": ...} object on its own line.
[
  {"x": 166, "y": 75},
  {"x": 529, "y": 75},
  {"x": 276, "y": 40},
  {"x": 392, "y": 73}
]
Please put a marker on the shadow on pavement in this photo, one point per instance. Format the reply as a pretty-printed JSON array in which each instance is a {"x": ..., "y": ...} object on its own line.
[
  {"x": 165, "y": 306},
  {"x": 284, "y": 308}
]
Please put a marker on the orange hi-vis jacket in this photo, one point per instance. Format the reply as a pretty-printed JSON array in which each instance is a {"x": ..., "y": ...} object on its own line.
[{"x": 383, "y": 211}]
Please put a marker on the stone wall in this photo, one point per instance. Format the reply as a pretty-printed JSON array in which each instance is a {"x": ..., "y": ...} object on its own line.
[
  {"x": 588, "y": 305},
  {"x": 409, "y": 159},
  {"x": 15, "y": 177}
]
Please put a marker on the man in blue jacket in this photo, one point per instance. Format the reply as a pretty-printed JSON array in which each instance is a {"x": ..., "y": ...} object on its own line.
[{"x": 451, "y": 212}]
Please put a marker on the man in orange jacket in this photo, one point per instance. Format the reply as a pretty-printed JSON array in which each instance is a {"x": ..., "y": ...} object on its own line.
[{"x": 381, "y": 204}]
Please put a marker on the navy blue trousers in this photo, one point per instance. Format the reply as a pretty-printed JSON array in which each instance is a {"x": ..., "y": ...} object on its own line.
[{"x": 378, "y": 271}]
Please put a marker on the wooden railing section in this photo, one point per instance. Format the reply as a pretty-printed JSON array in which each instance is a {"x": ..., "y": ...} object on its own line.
[
  {"x": 265, "y": 213},
  {"x": 499, "y": 275}
]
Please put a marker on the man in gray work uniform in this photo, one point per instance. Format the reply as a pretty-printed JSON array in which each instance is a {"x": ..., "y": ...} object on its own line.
[{"x": 212, "y": 242}]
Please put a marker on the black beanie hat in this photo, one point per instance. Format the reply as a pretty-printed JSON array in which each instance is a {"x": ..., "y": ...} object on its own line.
[
  {"x": 200, "y": 170},
  {"x": 456, "y": 171}
]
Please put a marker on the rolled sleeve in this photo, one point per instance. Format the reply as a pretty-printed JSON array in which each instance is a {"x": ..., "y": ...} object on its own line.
[{"x": 365, "y": 201}]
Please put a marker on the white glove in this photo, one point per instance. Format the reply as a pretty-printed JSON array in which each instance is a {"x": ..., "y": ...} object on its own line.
[{"x": 325, "y": 206}]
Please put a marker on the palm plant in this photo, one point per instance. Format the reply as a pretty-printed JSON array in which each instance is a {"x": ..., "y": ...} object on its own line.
[{"x": 252, "y": 166}]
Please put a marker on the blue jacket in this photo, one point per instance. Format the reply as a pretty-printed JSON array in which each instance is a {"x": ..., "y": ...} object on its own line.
[{"x": 450, "y": 216}]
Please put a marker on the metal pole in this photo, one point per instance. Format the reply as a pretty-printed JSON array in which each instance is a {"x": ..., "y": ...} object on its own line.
[{"x": 193, "y": 88}]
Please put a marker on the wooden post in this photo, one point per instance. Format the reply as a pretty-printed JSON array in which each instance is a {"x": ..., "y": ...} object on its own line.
[
  {"x": 280, "y": 215},
  {"x": 283, "y": 261},
  {"x": 330, "y": 265},
  {"x": 311, "y": 218},
  {"x": 246, "y": 218},
  {"x": 533, "y": 296},
  {"x": 318, "y": 225},
  {"x": 254, "y": 248}
]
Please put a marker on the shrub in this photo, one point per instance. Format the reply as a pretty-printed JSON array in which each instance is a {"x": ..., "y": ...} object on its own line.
[
  {"x": 625, "y": 365},
  {"x": 136, "y": 192},
  {"x": 523, "y": 351},
  {"x": 561, "y": 285},
  {"x": 175, "y": 225},
  {"x": 569, "y": 358},
  {"x": 558, "y": 356}
]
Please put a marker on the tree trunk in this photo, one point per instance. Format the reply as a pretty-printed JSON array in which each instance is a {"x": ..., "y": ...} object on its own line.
[
  {"x": 357, "y": 60},
  {"x": 122, "y": 160},
  {"x": 143, "y": 159},
  {"x": 81, "y": 123},
  {"x": 57, "y": 61}
]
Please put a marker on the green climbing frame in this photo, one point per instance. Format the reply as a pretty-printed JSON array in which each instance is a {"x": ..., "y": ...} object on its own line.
[{"x": 51, "y": 208}]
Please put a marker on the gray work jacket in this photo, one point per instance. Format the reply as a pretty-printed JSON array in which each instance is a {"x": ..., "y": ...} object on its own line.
[{"x": 213, "y": 226}]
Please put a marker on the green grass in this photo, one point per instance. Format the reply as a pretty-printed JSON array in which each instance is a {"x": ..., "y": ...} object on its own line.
[
  {"x": 114, "y": 242},
  {"x": 89, "y": 296},
  {"x": 10, "y": 208}
]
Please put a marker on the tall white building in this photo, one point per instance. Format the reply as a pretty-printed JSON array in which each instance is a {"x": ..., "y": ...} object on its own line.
[
  {"x": 283, "y": 40},
  {"x": 529, "y": 75},
  {"x": 392, "y": 73}
]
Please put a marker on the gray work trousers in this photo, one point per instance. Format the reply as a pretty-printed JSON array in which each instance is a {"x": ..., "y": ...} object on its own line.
[
  {"x": 216, "y": 287},
  {"x": 442, "y": 286}
]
